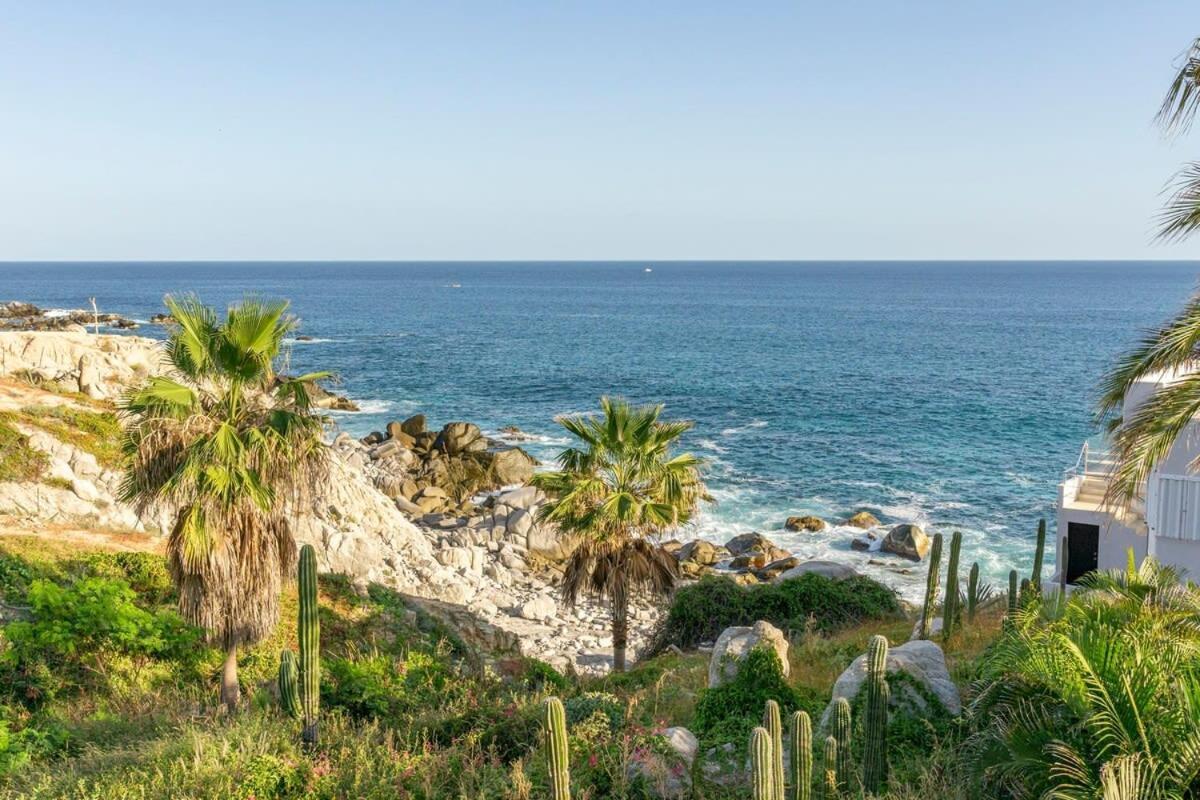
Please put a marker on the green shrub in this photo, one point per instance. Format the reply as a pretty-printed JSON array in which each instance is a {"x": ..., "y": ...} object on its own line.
[
  {"x": 146, "y": 573},
  {"x": 728, "y": 713},
  {"x": 78, "y": 629},
  {"x": 700, "y": 612},
  {"x": 541, "y": 677},
  {"x": 585, "y": 706}
]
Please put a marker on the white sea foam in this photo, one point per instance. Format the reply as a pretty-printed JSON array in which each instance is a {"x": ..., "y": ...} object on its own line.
[
  {"x": 314, "y": 340},
  {"x": 751, "y": 425},
  {"x": 709, "y": 444}
]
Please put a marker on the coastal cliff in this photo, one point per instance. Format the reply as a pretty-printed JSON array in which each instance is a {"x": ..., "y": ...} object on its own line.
[{"x": 487, "y": 568}]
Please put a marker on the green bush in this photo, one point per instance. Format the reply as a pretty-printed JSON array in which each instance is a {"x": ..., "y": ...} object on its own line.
[
  {"x": 76, "y": 632},
  {"x": 729, "y": 712},
  {"x": 700, "y": 612},
  {"x": 146, "y": 573},
  {"x": 585, "y": 706}
]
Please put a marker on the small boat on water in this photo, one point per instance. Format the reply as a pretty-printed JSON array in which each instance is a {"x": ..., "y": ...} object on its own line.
[{"x": 648, "y": 269}]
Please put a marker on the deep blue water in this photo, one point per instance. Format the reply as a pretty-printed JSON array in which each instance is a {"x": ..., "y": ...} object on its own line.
[{"x": 952, "y": 394}]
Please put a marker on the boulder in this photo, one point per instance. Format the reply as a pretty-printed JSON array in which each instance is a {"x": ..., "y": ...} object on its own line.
[
  {"x": 923, "y": 661},
  {"x": 89, "y": 378},
  {"x": 776, "y": 568},
  {"x": 863, "y": 519},
  {"x": 755, "y": 544},
  {"x": 735, "y": 642},
  {"x": 460, "y": 437},
  {"x": 414, "y": 425},
  {"x": 512, "y": 465},
  {"x": 539, "y": 608},
  {"x": 907, "y": 541},
  {"x": 526, "y": 497},
  {"x": 407, "y": 506},
  {"x": 395, "y": 432},
  {"x": 85, "y": 490},
  {"x": 829, "y": 569},
  {"x": 701, "y": 552},
  {"x": 806, "y": 523}
]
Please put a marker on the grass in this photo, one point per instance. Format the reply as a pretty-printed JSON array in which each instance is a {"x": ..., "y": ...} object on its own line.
[
  {"x": 96, "y": 432},
  {"x": 19, "y": 462},
  {"x": 407, "y": 709}
]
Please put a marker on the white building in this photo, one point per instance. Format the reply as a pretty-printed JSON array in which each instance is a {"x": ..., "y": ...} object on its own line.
[{"x": 1164, "y": 522}]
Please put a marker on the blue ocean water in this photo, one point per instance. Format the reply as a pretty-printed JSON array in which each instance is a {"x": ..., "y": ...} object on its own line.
[{"x": 951, "y": 394}]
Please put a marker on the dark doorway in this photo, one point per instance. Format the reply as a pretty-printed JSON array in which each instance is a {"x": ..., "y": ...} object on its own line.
[{"x": 1083, "y": 550}]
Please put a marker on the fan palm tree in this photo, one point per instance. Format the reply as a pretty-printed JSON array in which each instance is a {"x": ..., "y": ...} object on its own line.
[
  {"x": 618, "y": 486},
  {"x": 228, "y": 446},
  {"x": 1141, "y": 442}
]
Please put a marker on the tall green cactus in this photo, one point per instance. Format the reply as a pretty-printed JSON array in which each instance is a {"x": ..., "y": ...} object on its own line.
[
  {"x": 829, "y": 780},
  {"x": 801, "y": 756},
  {"x": 841, "y": 732},
  {"x": 289, "y": 684},
  {"x": 973, "y": 592},
  {"x": 558, "y": 757},
  {"x": 875, "y": 716},
  {"x": 1013, "y": 598},
  {"x": 1038, "y": 555},
  {"x": 310, "y": 644},
  {"x": 950, "y": 604},
  {"x": 774, "y": 725},
  {"x": 762, "y": 767},
  {"x": 931, "y": 585}
]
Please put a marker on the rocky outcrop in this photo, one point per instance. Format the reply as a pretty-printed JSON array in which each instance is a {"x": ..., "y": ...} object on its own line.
[
  {"x": 907, "y": 541},
  {"x": 863, "y": 519},
  {"x": 19, "y": 316},
  {"x": 102, "y": 367},
  {"x": 735, "y": 642},
  {"x": 805, "y": 523},
  {"x": 923, "y": 661}
]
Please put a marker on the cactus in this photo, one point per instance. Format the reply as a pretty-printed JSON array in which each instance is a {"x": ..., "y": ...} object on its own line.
[
  {"x": 829, "y": 781},
  {"x": 774, "y": 725},
  {"x": 762, "y": 767},
  {"x": 289, "y": 687},
  {"x": 973, "y": 592},
  {"x": 801, "y": 756},
  {"x": 310, "y": 644},
  {"x": 1012, "y": 591},
  {"x": 875, "y": 716},
  {"x": 950, "y": 604},
  {"x": 1038, "y": 555},
  {"x": 931, "y": 585},
  {"x": 558, "y": 758},
  {"x": 841, "y": 732}
]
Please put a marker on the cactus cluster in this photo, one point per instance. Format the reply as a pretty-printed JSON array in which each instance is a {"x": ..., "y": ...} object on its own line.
[
  {"x": 300, "y": 683},
  {"x": 801, "y": 756},
  {"x": 841, "y": 732},
  {"x": 950, "y": 609},
  {"x": 931, "y": 585},
  {"x": 875, "y": 716},
  {"x": 558, "y": 757}
]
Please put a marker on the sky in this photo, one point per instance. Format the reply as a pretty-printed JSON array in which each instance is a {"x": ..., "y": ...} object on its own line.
[{"x": 588, "y": 130}]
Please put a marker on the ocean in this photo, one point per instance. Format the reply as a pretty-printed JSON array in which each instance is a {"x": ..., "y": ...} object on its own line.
[{"x": 951, "y": 394}]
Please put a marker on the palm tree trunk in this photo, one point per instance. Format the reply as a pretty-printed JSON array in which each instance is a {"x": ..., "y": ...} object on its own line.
[
  {"x": 620, "y": 632},
  {"x": 230, "y": 691}
]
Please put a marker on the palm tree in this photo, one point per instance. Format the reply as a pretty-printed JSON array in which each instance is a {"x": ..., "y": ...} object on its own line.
[
  {"x": 1094, "y": 695},
  {"x": 618, "y": 487},
  {"x": 1143, "y": 440},
  {"x": 228, "y": 446}
]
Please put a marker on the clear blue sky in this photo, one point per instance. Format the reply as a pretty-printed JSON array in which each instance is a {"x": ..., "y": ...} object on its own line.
[{"x": 573, "y": 130}]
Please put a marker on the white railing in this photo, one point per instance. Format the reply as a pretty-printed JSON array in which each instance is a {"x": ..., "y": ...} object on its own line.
[{"x": 1090, "y": 462}]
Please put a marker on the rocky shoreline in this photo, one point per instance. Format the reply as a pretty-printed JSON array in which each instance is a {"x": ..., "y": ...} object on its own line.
[{"x": 445, "y": 516}]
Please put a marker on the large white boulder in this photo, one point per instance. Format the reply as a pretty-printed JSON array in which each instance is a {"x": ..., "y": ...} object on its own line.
[
  {"x": 922, "y": 660},
  {"x": 735, "y": 642},
  {"x": 829, "y": 569}
]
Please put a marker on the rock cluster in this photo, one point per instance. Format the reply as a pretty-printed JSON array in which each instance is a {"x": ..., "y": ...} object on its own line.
[
  {"x": 748, "y": 558},
  {"x": 437, "y": 472},
  {"x": 18, "y": 316}
]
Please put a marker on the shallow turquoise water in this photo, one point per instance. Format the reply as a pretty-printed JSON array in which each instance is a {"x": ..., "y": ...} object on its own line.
[{"x": 952, "y": 394}]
